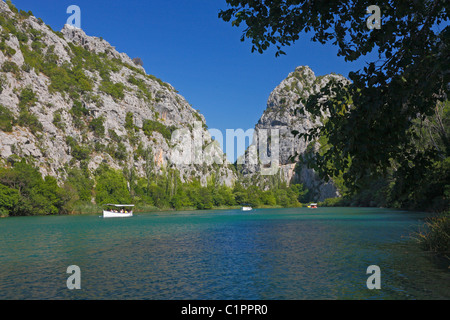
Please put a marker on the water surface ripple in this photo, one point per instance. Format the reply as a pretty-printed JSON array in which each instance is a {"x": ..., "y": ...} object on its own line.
[{"x": 283, "y": 254}]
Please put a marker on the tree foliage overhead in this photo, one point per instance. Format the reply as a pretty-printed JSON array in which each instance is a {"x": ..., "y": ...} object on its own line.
[{"x": 372, "y": 119}]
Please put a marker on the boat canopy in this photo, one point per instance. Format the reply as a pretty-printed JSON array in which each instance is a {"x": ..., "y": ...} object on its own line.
[{"x": 119, "y": 205}]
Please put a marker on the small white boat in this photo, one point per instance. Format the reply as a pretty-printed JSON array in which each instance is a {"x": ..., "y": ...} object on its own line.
[
  {"x": 313, "y": 206},
  {"x": 118, "y": 211},
  {"x": 246, "y": 208}
]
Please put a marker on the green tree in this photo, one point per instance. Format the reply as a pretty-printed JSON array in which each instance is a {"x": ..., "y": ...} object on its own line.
[
  {"x": 116, "y": 90},
  {"x": 36, "y": 196},
  {"x": 205, "y": 199},
  {"x": 9, "y": 198},
  {"x": 82, "y": 183},
  {"x": 159, "y": 195},
  {"x": 268, "y": 198},
  {"x": 227, "y": 195},
  {"x": 282, "y": 198},
  {"x": 297, "y": 193},
  {"x": 180, "y": 200},
  {"x": 111, "y": 187},
  {"x": 47, "y": 196},
  {"x": 254, "y": 195},
  {"x": 240, "y": 194},
  {"x": 27, "y": 99}
]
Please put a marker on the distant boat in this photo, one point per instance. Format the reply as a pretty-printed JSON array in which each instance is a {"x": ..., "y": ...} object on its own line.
[
  {"x": 313, "y": 206},
  {"x": 118, "y": 211},
  {"x": 246, "y": 207}
]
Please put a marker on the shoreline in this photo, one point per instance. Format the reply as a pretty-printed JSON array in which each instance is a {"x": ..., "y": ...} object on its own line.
[
  {"x": 94, "y": 209},
  {"x": 152, "y": 209}
]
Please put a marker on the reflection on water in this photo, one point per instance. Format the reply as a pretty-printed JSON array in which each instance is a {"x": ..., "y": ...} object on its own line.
[{"x": 267, "y": 254}]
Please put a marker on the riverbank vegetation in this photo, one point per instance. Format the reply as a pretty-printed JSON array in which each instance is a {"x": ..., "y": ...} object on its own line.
[{"x": 24, "y": 192}]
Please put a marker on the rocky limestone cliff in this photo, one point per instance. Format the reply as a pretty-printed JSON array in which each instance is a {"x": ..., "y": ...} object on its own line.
[
  {"x": 73, "y": 100},
  {"x": 281, "y": 115}
]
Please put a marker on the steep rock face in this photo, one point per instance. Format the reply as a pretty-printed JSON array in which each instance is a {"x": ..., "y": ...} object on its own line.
[
  {"x": 281, "y": 115},
  {"x": 76, "y": 101}
]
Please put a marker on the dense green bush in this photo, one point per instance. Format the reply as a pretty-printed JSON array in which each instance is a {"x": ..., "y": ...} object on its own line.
[
  {"x": 33, "y": 59},
  {"x": 94, "y": 62},
  {"x": 114, "y": 136},
  {"x": 68, "y": 80},
  {"x": 8, "y": 25},
  {"x": 129, "y": 125},
  {"x": 116, "y": 90},
  {"x": 57, "y": 120},
  {"x": 9, "y": 66},
  {"x": 79, "y": 110},
  {"x": 6, "y": 119},
  {"x": 37, "y": 46},
  {"x": 117, "y": 150},
  {"x": 29, "y": 120},
  {"x": 97, "y": 126},
  {"x": 149, "y": 126},
  {"x": 9, "y": 199},
  {"x": 8, "y": 51},
  {"x": 81, "y": 181},
  {"x": 27, "y": 99},
  {"x": 3, "y": 82},
  {"x": 121, "y": 152},
  {"x": 77, "y": 151},
  {"x": 35, "y": 35},
  {"x": 37, "y": 196},
  {"x": 22, "y": 37},
  {"x": 332, "y": 202},
  {"x": 111, "y": 187}
]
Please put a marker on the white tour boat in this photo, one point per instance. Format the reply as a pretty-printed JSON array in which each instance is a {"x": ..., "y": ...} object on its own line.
[
  {"x": 118, "y": 211},
  {"x": 247, "y": 208}
]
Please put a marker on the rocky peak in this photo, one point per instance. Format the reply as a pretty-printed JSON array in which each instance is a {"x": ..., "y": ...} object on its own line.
[
  {"x": 72, "y": 100},
  {"x": 281, "y": 115}
]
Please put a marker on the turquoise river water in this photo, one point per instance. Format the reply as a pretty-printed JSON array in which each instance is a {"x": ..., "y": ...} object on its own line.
[{"x": 266, "y": 254}]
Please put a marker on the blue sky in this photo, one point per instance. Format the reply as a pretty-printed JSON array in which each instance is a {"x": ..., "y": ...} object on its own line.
[{"x": 184, "y": 43}]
